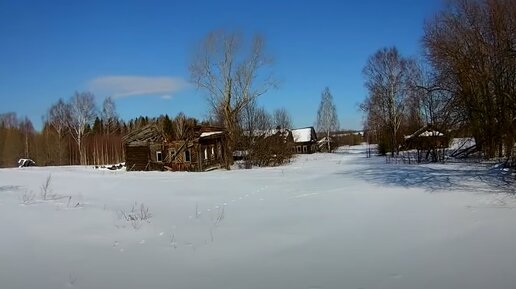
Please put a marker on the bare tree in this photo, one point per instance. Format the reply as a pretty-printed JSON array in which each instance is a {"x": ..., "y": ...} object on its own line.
[
  {"x": 82, "y": 114},
  {"x": 389, "y": 81},
  {"x": 109, "y": 115},
  {"x": 27, "y": 130},
  {"x": 231, "y": 75},
  {"x": 180, "y": 126},
  {"x": 282, "y": 119},
  {"x": 262, "y": 120},
  {"x": 58, "y": 117},
  {"x": 471, "y": 45},
  {"x": 327, "y": 119}
]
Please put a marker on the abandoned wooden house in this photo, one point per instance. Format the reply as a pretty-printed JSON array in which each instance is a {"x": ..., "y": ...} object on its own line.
[
  {"x": 305, "y": 140},
  {"x": 428, "y": 142},
  {"x": 149, "y": 149}
]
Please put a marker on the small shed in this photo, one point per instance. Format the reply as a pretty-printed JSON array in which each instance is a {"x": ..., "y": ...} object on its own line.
[
  {"x": 203, "y": 149},
  {"x": 305, "y": 140}
]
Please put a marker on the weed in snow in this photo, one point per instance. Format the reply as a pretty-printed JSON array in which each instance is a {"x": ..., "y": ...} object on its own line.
[
  {"x": 28, "y": 197},
  {"x": 138, "y": 215}
]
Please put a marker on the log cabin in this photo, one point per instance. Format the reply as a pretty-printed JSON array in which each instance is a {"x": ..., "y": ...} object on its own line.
[
  {"x": 305, "y": 140},
  {"x": 148, "y": 148}
]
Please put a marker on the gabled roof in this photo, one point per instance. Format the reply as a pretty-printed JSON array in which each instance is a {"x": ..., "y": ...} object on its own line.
[
  {"x": 306, "y": 134},
  {"x": 148, "y": 133}
]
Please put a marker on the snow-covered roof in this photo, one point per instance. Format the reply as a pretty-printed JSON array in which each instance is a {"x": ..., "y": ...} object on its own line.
[
  {"x": 207, "y": 134},
  {"x": 425, "y": 133},
  {"x": 302, "y": 134},
  {"x": 267, "y": 133}
]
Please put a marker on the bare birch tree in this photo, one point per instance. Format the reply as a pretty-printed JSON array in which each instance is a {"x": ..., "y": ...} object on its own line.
[
  {"x": 389, "y": 83},
  {"x": 327, "y": 119},
  {"x": 180, "y": 126},
  {"x": 82, "y": 114}
]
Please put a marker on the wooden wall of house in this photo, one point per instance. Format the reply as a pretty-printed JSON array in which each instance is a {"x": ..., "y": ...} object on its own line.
[
  {"x": 304, "y": 148},
  {"x": 212, "y": 153},
  {"x": 136, "y": 157},
  {"x": 154, "y": 148},
  {"x": 179, "y": 163},
  {"x": 204, "y": 154}
]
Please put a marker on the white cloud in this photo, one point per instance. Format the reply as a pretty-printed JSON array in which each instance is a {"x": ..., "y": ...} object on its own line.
[{"x": 124, "y": 86}]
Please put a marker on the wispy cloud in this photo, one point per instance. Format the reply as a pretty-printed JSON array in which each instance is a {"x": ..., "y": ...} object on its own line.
[{"x": 126, "y": 85}]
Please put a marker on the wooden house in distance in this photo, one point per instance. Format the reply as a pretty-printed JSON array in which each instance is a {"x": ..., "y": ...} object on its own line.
[
  {"x": 149, "y": 149},
  {"x": 305, "y": 140},
  {"x": 428, "y": 142},
  {"x": 426, "y": 138}
]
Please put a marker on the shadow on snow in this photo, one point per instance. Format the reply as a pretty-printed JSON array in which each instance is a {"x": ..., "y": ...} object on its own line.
[{"x": 435, "y": 177}]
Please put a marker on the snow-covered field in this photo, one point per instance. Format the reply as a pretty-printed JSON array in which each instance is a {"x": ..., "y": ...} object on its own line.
[{"x": 324, "y": 221}]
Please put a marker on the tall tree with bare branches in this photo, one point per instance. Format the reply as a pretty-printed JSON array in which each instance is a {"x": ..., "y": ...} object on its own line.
[
  {"x": 82, "y": 114},
  {"x": 281, "y": 118},
  {"x": 58, "y": 117},
  {"x": 472, "y": 47},
  {"x": 389, "y": 79},
  {"x": 233, "y": 73},
  {"x": 327, "y": 119}
]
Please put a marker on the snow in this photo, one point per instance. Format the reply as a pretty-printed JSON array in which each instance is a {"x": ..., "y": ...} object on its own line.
[
  {"x": 302, "y": 134},
  {"x": 207, "y": 134},
  {"x": 324, "y": 221},
  {"x": 425, "y": 134},
  {"x": 25, "y": 163}
]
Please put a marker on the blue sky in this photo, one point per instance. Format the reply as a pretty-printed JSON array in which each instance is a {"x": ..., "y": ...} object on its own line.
[{"x": 138, "y": 51}]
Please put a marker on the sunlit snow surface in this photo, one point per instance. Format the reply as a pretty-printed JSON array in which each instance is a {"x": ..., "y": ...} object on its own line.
[{"x": 324, "y": 221}]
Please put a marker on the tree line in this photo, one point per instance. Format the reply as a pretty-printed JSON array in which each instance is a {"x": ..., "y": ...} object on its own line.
[
  {"x": 74, "y": 132},
  {"x": 232, "y": 71},
  {"x": 463, "y": 86}
]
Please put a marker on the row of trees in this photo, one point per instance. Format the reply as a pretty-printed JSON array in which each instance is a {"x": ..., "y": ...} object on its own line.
[
  {"x": 465, "y": 85},
  {"x": 232, "y": 72},
  {"x": 74, "y": 132}
]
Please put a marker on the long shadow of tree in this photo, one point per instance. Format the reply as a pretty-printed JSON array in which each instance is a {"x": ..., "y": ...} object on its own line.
[{"x": 435, "y": 177}]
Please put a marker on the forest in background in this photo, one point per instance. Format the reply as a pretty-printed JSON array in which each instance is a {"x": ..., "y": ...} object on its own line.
[{"x": 465, "y": 85}]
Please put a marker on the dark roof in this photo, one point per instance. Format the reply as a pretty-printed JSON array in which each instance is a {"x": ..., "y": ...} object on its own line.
[{"x": 148, "y": 133}]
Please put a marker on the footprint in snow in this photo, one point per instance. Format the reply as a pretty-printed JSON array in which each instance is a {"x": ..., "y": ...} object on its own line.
[{"x": 115, "y": 244}]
